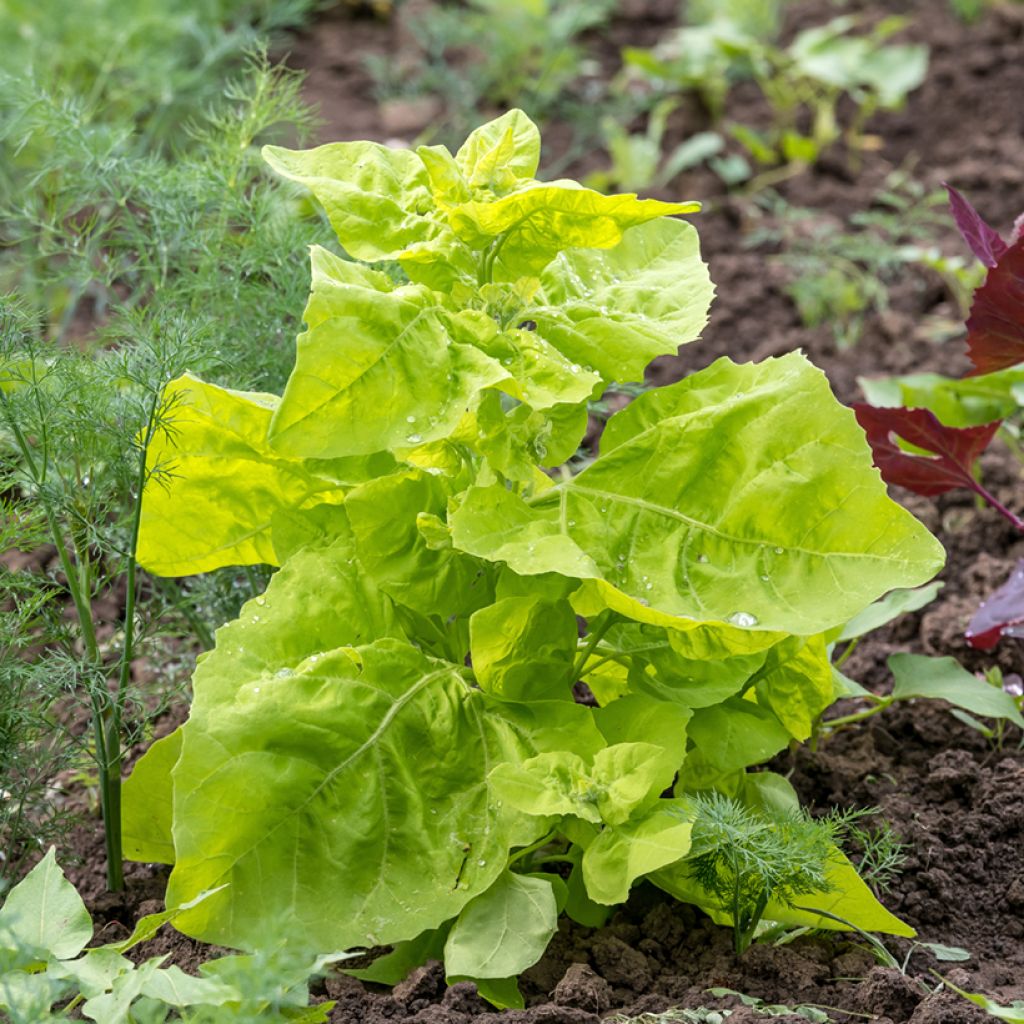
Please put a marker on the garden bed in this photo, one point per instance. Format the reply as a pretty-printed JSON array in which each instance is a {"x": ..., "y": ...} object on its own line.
[{"x": 955, "y": 800}]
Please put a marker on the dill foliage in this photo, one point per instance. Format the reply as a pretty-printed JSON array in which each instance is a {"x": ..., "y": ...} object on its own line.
[{"x": 746, "y": 859}]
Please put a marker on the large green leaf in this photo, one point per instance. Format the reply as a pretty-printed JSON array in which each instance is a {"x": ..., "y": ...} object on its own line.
[
  {"x": 146, "y": 798},
  {"x": 319, "y": 600},
  {"x": 301, "y": 774},
  {"x": 743, "y": 496},
  {"x": 503, "y": 930},
  {"x": 616, "y": 309},
  {"x": 735, "y": 734},
  {"x": 217, "y": 484},
  {"x": 43, "y": 913},
  {"x": 372, "y": 346}
]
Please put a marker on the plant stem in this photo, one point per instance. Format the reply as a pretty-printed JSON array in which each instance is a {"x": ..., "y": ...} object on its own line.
[
  {"x": 533, "y": 847},
  {"x": 593, "y": 639},
  {"x": 837, "y": 723},
  {"x": 983, "y": 492}
]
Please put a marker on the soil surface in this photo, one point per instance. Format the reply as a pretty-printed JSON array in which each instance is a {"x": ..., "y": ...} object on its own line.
[{"x": 955, "y": 801}]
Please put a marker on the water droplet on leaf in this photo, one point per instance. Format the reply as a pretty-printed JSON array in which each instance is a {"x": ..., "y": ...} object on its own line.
[{"x": 744, "y": 619}]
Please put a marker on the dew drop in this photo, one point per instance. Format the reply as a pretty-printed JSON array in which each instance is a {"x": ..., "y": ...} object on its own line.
[
  {"x": 744, "y": 619},
  {"x": 261, "y": 601},
  {"x": 777, "y": 551},
  {"x": 255, "y": 689},
  {"x": 410, "y": 419},
  {"x": 414, "y": 438},
  {"x": 648, "y": 586},
  {"x": 703, "y": 559},
  {"x": 765, "y": 577},
  {"x": 255, "y": 618},
  {"x": 283, "y": 673},
  {"x": 482, "y": 863},
  {"x": 575, "y": 368},
  {"x": 572, "y": 522}
]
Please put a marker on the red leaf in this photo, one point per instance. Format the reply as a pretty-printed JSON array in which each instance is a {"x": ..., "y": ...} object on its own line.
[
  {"x": 995, "y": 329},
  {"x": 954, "y": 448},
  {"x": 1000, "y": 614},
  {"x": 982, "y": 240}
]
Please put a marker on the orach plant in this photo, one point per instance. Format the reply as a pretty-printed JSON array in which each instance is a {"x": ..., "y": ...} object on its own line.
[
  {"x": 928, "y": 431},
  {"x": 384, "y": 747}
]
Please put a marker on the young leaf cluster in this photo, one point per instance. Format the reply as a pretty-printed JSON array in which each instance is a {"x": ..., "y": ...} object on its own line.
[
  {"x": 46, "y": 971},
  {"x": 397, "y": 705}
]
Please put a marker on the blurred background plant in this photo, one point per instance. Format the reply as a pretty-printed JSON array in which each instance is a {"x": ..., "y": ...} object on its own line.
[
  {"x": 803, "y": 82},
  {"x": 839, "y": 273},
  {"x": 488, "y": 54}
]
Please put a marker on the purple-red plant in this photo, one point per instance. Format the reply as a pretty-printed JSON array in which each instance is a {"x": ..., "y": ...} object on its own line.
[
  {"x": 1000, "y": 614},
  {"x": 935, "y": 458}
]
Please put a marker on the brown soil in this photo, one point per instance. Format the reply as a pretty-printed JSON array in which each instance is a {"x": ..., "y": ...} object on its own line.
[{"x": 956, "y": 802}]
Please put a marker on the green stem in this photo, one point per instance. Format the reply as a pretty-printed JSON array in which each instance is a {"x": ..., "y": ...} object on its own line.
[
  {"x": 593, "y": 639},
  {"x": 533, "y": 847},
  {"x": 850, "y": 648},
  {"x": 837, "y": 723}
]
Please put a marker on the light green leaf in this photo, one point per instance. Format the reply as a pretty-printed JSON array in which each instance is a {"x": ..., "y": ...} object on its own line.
[
  {"x": 369, "y": 345},
  {"x": 146, "y": 927},
  {"x": 503, "y": 930},
  {"x": 796, "y": 683},
  {"x": 915, "y": 675},
  {"x": 892, "y": 606},
  {"x": 620, "y": 855},
  {"x": 1011, "y": 1014},
  {"x": 502, "y": 153},
  {"x": 615, "y": 310},
  {"x": 290, "y": 776},
  {"x": 391, "y": 968},
  {"x": 502, "y": 993},
  {"x": 620, "y": 779},
  {"x": 318, "y": 601},
  {"x": 736, "y": 733},
  {"x": 27, "y": 998},
  {"x": 742, "y": 496},
  {"x": 113, "y": 1007},
  {"x": 44, "y": 912},
  {"x": 377, "y": 199},
  {"x": 523, "y": 648},
  {"x": 661, "y": 724},
  {"x": 384, "y": 515},
  {"x": 554, "y": 783},
  {"x": 543, "y": 218},
  {"x": 94, "y": 973},
  {"x": 173, "y": 987},
  {"x": 218, "y": 484},
  {"x": 146, "y": 803}
]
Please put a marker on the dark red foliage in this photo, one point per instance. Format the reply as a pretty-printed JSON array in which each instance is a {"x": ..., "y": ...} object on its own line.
[
  {"x": 954, "y": 449},
  {"x": 1001, "y": 614},
  {"x": 995, "y": 329},
  {"x": 982, "y": 240}
]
